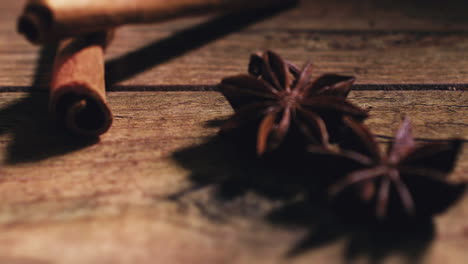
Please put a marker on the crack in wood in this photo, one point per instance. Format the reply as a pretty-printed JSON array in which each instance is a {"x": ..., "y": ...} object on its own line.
[{"x": 210, "y": 88}]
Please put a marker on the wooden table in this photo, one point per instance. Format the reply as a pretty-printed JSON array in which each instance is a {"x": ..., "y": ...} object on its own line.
[{"x": 122, "y": 199}]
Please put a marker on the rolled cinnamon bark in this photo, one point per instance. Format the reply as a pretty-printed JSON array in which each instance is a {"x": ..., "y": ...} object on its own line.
[
  {"x": 77, "y": 92},
  {"x": 51, "y": 20}
]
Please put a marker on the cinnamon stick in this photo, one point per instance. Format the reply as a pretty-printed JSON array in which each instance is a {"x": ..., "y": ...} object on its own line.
[
  {"x": 50, "y": 20},
  {"x": 77, "y": 92}
]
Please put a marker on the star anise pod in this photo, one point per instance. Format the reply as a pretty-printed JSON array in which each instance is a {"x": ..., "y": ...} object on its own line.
[
  {"x": 417, "y": 173},
  {"x": 282, "y": 98}
]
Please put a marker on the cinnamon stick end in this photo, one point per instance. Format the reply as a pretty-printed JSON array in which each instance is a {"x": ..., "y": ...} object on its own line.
[{"x": 34, "y": 23}]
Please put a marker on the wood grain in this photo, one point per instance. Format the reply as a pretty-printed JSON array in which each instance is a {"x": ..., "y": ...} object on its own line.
[
  {"x": 113, "y": 202},
  {"x": 160, "y": 187}
]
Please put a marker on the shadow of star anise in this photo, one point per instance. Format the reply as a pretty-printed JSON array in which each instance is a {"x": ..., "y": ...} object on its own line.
[
  {"x": 278, "y": 98},
  {"x": 416, "y": 173}
]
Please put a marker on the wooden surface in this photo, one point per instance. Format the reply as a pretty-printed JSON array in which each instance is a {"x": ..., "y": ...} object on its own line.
[{"x": 153, "y": 189}]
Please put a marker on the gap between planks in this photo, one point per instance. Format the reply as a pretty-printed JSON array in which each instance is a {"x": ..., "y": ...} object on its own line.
[{"x": 210, "y": 88}]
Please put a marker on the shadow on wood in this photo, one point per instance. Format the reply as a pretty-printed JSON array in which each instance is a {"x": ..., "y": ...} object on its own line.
[
  {"x": 230, "y": 181},
  {"x": 234, "y": 171},
  {"x": 369, "y": 239},
  {"x": 34, "y": 136},
  {"x": 161, "y": 51}
]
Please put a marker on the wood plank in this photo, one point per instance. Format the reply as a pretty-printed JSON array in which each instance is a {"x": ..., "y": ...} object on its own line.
[
  {"x": 65, "y": 201},
  {"x": 402, "y": 58},
  {"x": 395, "y": 58},
  {"x": 377, "y": 42}
]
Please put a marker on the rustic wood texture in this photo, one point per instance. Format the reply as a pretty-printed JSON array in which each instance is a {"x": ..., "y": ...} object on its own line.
[
  {"x": 378, "y": 42},
  {"x": 160, "y": 187},
  {"x": 112, "y": 201}
]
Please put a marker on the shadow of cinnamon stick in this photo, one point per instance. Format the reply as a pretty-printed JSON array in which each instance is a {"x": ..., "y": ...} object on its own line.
[
  {"x": 178, "y": 44},
  {"x": 34, "y": 136}
]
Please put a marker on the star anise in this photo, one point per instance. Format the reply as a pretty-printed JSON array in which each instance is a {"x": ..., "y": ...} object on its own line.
[
  {"x": 282, "y": 98},
  {"x": 416, "y": 172}
]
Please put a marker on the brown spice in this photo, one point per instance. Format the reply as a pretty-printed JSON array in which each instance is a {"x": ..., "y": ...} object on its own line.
[
  {"x": 403, "y": 163},
  {"x": 280, "y": 97},
  {"x": 77, "y": 92}
]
